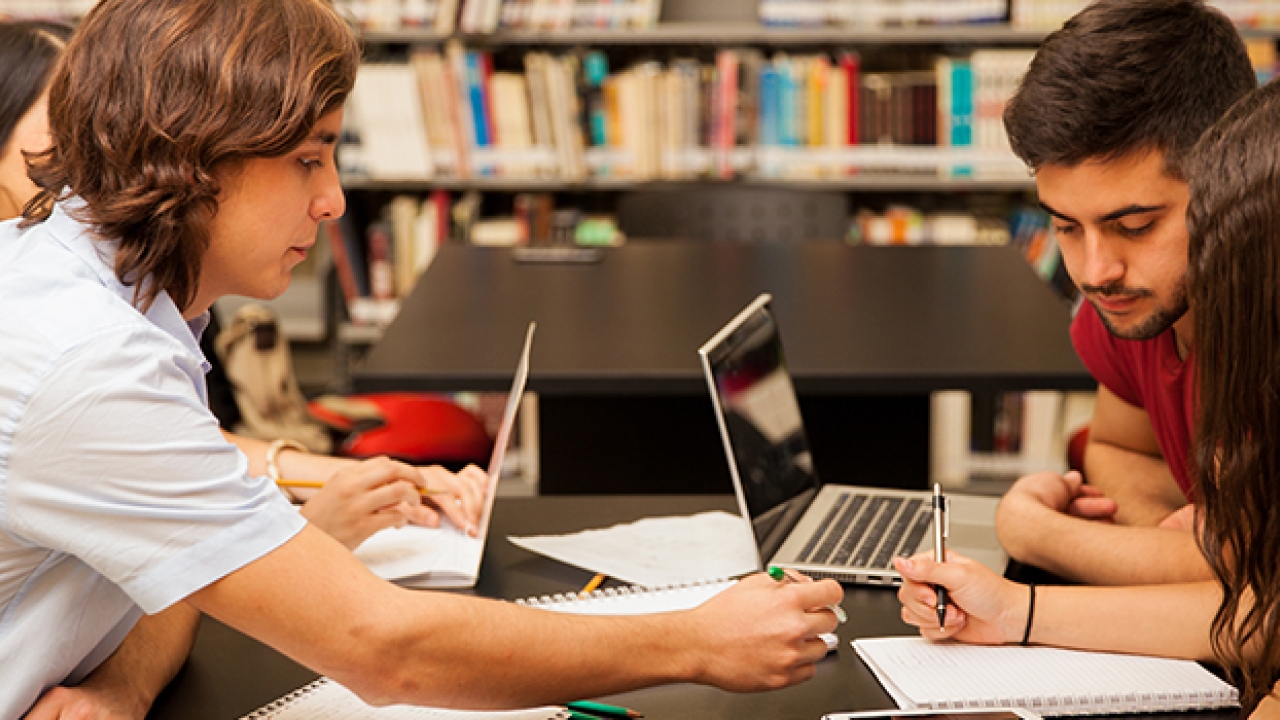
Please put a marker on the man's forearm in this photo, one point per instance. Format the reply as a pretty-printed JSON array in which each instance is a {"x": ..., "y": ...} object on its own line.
[
  {"x": 1141, "y": 485},
  {"x": 149, "y": 657},
  {"x": 1099, "y": 553}
]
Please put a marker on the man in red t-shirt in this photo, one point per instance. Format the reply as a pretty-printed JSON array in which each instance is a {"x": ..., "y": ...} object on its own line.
[{"x": 1105, "y": 115}]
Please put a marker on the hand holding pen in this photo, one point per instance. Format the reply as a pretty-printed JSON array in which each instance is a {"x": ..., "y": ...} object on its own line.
[
  {"x": 940, "y": 549},
  {"x": 789, "y": 575}
]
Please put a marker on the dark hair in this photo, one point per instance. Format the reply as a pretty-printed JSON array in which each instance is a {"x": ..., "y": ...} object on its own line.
[
  {"x": 28, "y": 52},
  {"x": 154, "y": 97},
  {"x": 1234, "y": 284},
  {"x": 1128, "y": 75}
]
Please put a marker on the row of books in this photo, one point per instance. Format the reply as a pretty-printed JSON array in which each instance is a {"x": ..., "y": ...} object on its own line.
[
  {"x": 1025, "y": 228},
  {"x": 379, "y": 263},
  {"x": 486, "y": 16},
  {"x": 438, "y": 16},
  {"x": 879, "y": 13},
  {"x": 1050, "y": 14},
  {"x": 568, "y": 116},
  {"x": 46, "y": 9},
  {"x": 1022, "y": 14}
]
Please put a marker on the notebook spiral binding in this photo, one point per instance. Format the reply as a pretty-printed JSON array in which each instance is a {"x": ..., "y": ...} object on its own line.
[
  {"x": 613, "y": 592},
  {"x": 1134, "y": 702},
  {"x": 268, "y": 711}
]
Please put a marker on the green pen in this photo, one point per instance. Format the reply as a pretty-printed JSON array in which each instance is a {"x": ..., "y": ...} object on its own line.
[
  {"x": 579, "y": 715},
  {"x": 789, "y": 575},
  {"x": 590, "y": 710}
]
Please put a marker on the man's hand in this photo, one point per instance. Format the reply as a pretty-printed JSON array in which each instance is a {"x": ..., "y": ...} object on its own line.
[
  {"x": 983, "y": 607},
  {"x": 762, "y": 635},
  {"x": 1065, "y": 494},
  {"x": 125, "y": 684}
]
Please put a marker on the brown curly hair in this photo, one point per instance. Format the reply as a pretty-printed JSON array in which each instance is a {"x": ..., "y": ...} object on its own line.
[{"x": 154, "y": 96}]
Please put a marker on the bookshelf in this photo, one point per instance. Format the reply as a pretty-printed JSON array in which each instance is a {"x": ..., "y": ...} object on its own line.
[
  {"x": 869, "y": 183},
  {"x": 700, "y": 32},
  {"x": 729, "y": 33}
]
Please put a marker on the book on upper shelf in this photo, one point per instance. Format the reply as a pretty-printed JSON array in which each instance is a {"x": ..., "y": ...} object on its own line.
[
  {"x": 378, "y": 266},
  {"x": 1050, "y": 14},
  {"x": 573, "y": 117},
  {"x": 438, "y": 16},
  {"x": 879, "y": 13}
]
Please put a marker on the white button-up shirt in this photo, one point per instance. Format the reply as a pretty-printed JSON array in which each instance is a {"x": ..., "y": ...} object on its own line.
[{"x": 118, "y": 493}]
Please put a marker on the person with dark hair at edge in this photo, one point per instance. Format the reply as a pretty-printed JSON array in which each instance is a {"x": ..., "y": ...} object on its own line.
[
  {"x": 192, "y": 156},
  {"x": 28, "y": 52}
]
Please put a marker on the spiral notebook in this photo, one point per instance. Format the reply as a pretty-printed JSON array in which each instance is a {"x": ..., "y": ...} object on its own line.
[
  {"x": 919, "y": 674},
  {"x": 325, "y": 699},
  {"x": 639, "y": 600},
  {"x": 632, "y": 599}
]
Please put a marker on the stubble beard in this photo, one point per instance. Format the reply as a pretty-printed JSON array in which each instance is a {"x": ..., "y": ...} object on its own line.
[{"x": 1161, "y": 319}]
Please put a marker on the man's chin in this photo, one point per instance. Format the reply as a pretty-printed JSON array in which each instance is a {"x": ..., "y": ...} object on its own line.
[{"x": 1146, "y": 327}]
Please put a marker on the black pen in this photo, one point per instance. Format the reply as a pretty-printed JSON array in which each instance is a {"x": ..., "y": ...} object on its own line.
[{"x": 940, "y": 549}]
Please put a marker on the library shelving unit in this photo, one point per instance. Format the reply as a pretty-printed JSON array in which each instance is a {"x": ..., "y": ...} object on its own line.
[{"x": 701, "y": 30}]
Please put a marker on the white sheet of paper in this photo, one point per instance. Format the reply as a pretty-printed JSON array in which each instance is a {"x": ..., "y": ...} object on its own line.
[
  {"x": 657, "y": 551},
  {"x": 423, "y": 557}
]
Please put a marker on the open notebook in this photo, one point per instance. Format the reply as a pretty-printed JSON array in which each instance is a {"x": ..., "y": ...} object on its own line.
[
  {"x": 446, "y": 557},
  {"x": 632, "y": 599},
  {"x": 325, "y": 699},
  {"x": 639, "y": 600},
  {"x": 919, "y": 674}
]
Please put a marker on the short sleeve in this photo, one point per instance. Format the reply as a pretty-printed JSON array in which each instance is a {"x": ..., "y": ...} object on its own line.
[
  {"x": 117, "y": 461},
  {"x": 1101, "y": 353}
]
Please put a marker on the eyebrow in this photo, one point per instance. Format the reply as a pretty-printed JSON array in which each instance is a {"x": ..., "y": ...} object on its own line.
[
  {"x": 323, "y": 137},
  {"x": 1111, "y": 216}
]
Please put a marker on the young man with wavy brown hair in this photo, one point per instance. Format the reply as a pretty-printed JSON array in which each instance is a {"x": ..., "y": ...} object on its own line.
[{"x": 192, "y": 156}]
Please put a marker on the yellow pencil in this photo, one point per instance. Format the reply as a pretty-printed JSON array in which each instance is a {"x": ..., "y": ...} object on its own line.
[
  {"x": 592, "y": 584},
  {"x": 319, "y": 484}
]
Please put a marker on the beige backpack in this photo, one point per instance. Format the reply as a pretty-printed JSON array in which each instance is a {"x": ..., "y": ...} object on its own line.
[{"x": 260, "y": 369}]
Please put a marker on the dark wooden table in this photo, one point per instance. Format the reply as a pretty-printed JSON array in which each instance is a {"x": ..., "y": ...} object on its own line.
[
  {"x": 230, "y": 675},
  {"x": 869, "y": 332}
]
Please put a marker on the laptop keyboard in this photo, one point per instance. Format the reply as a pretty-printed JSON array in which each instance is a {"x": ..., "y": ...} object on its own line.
[{"x": 879, "y": 528}]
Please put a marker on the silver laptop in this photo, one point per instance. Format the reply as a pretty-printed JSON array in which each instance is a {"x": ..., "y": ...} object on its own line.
[{"x": 846, "y": 532}]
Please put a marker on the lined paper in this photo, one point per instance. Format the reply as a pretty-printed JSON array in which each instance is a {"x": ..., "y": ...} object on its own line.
[{"x": 918, "y": 673}]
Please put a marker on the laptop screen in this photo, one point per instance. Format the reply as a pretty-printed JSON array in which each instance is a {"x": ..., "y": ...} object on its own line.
[{"x": 761, "y": 424}]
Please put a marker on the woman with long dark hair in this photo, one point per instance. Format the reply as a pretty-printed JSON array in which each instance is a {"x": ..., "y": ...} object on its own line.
[{"x": 1234, "y": 282}]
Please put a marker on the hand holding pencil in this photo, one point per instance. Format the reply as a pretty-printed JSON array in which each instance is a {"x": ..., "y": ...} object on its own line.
[{"x": 371, "y": 495}]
